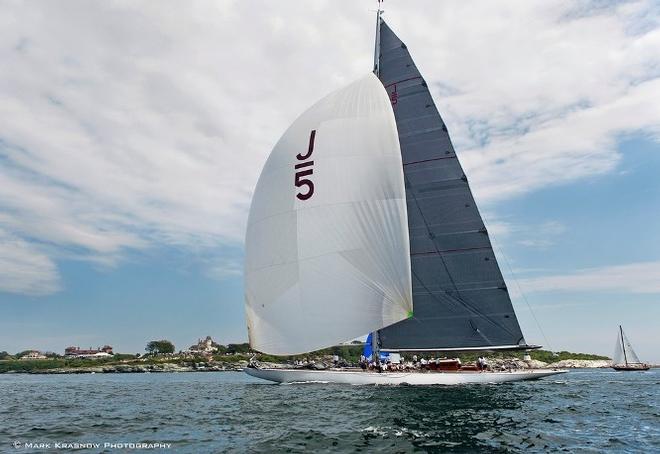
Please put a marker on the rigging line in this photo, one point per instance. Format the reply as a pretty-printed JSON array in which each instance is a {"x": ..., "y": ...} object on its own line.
[
  {"x": 435, "y": 245},
  {"x": 459, "y": 299},
  {"x": 462, "y": 303},
  {"x": 451, "y": 279},
  {"x": 428, "y": 229},
  {"x": 515, "y": 279}
]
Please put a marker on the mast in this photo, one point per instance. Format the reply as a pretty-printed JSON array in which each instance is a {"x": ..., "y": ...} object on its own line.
[
  {"x": 623, "y": 346},
  {"x": 377, "y": 43},
  {"x": 375, "y": 347}
]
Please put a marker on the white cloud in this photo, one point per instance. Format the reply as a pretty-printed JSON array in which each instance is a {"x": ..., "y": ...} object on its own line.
[
  {"x": 641, "y": 277},
  {"x": 224, "y": 268},
  {"x": 543, "y": 235},
  {"x": 540, "y": 91},
  {"x": 24, "y": 269},
  {"x": 128, "y": 125},
  {"x": 540, "y": 235}
]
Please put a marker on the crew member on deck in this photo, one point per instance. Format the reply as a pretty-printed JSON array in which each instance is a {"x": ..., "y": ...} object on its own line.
[{"x": 480, "y": 363}]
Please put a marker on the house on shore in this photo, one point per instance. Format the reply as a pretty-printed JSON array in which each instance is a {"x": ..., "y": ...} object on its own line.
[
  {"x": 203, "y": 347},
  {"x": 33, "y": 354}
]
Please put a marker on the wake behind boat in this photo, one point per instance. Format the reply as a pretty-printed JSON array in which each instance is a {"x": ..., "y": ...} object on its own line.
[{"x": 362, "y": 214}]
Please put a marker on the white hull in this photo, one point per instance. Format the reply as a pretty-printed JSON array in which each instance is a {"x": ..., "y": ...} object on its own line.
[{"x": 359, "y": 377}]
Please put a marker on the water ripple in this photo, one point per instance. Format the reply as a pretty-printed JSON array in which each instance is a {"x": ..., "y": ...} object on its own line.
[{"x": 587, "y": 411}]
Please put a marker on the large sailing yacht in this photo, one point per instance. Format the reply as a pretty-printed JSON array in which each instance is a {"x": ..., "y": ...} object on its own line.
[{"x": 363, "y": 221}]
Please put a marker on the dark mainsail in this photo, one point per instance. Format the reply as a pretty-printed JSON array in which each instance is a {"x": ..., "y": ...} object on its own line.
[{"x": 460, "y": 298}]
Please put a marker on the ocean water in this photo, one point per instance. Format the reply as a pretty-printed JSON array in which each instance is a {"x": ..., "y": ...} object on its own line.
[{"x": 583, "y": 411}]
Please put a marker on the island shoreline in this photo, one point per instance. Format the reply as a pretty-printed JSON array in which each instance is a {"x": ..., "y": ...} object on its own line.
[{"x": 238, "y": 366}]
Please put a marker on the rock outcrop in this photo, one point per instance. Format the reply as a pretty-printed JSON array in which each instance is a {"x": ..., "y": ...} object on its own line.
[
  {"x": 147, "y": 368},
  {"x": 514, "y": 363},
  {"x": 580, "y": 364}
]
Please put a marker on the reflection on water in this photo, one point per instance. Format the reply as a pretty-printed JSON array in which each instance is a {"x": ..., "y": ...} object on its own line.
[{"x": 585, "y": 410}]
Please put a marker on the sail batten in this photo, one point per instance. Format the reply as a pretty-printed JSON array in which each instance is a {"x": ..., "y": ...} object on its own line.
[{"x": 459, "y": 295}]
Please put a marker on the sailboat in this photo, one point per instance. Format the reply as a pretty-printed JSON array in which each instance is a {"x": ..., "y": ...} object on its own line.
[
  {"x": 363, "y": 221},
  {"x": 624, "y": 355}
]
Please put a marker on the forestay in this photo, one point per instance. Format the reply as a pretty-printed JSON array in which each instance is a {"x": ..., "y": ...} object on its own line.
[
  {"x": 460, "y": 298},
  {"x": 327, "y": 248}
]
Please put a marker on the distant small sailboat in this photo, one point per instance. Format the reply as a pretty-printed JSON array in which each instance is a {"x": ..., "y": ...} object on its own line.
[
  {"x": 362, "y": 212},
  {"x": 624, "y": 355}
]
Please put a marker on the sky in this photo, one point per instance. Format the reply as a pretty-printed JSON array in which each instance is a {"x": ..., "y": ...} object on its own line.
[{"x": 132, "y": 135}]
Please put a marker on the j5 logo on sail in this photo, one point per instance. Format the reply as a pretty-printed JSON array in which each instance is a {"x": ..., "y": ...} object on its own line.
[{"x": 307, "y": 166}]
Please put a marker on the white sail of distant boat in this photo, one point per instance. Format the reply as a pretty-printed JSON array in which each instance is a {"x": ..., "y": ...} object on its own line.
[
  {"x": 625, "y": 357},
  {"x": 363, "y": 221}
]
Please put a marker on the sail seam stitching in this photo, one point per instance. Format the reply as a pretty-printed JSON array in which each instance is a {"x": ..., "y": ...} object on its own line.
[
  {"x": 450, "y": 250},
  {"x": 401, "y": 81},
  {"x": 453, "y": 156}
]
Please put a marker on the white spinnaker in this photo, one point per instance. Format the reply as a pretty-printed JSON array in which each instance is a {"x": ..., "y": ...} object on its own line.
[{"x": 336, "y": 265}]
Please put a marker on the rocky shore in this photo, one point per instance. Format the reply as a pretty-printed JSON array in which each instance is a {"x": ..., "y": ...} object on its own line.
[
  {"x": 142, "y": 368},
  {"x": 581, "y": 364},
  {"x": 515, "y": 363},
  {"x": 213, "y": 366}
]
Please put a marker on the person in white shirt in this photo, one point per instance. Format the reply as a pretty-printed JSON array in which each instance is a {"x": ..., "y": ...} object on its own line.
[{"x": 480, "y": 363}]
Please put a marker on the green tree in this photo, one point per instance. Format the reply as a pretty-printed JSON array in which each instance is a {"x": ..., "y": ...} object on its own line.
[
  {"x": 221, "y": 349},
  {"x": 123, "y": 356},
  {"x": 160, "y": 346},
  {"x": 5, "y": 355},
  {"x": 238, "y": 348}
]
